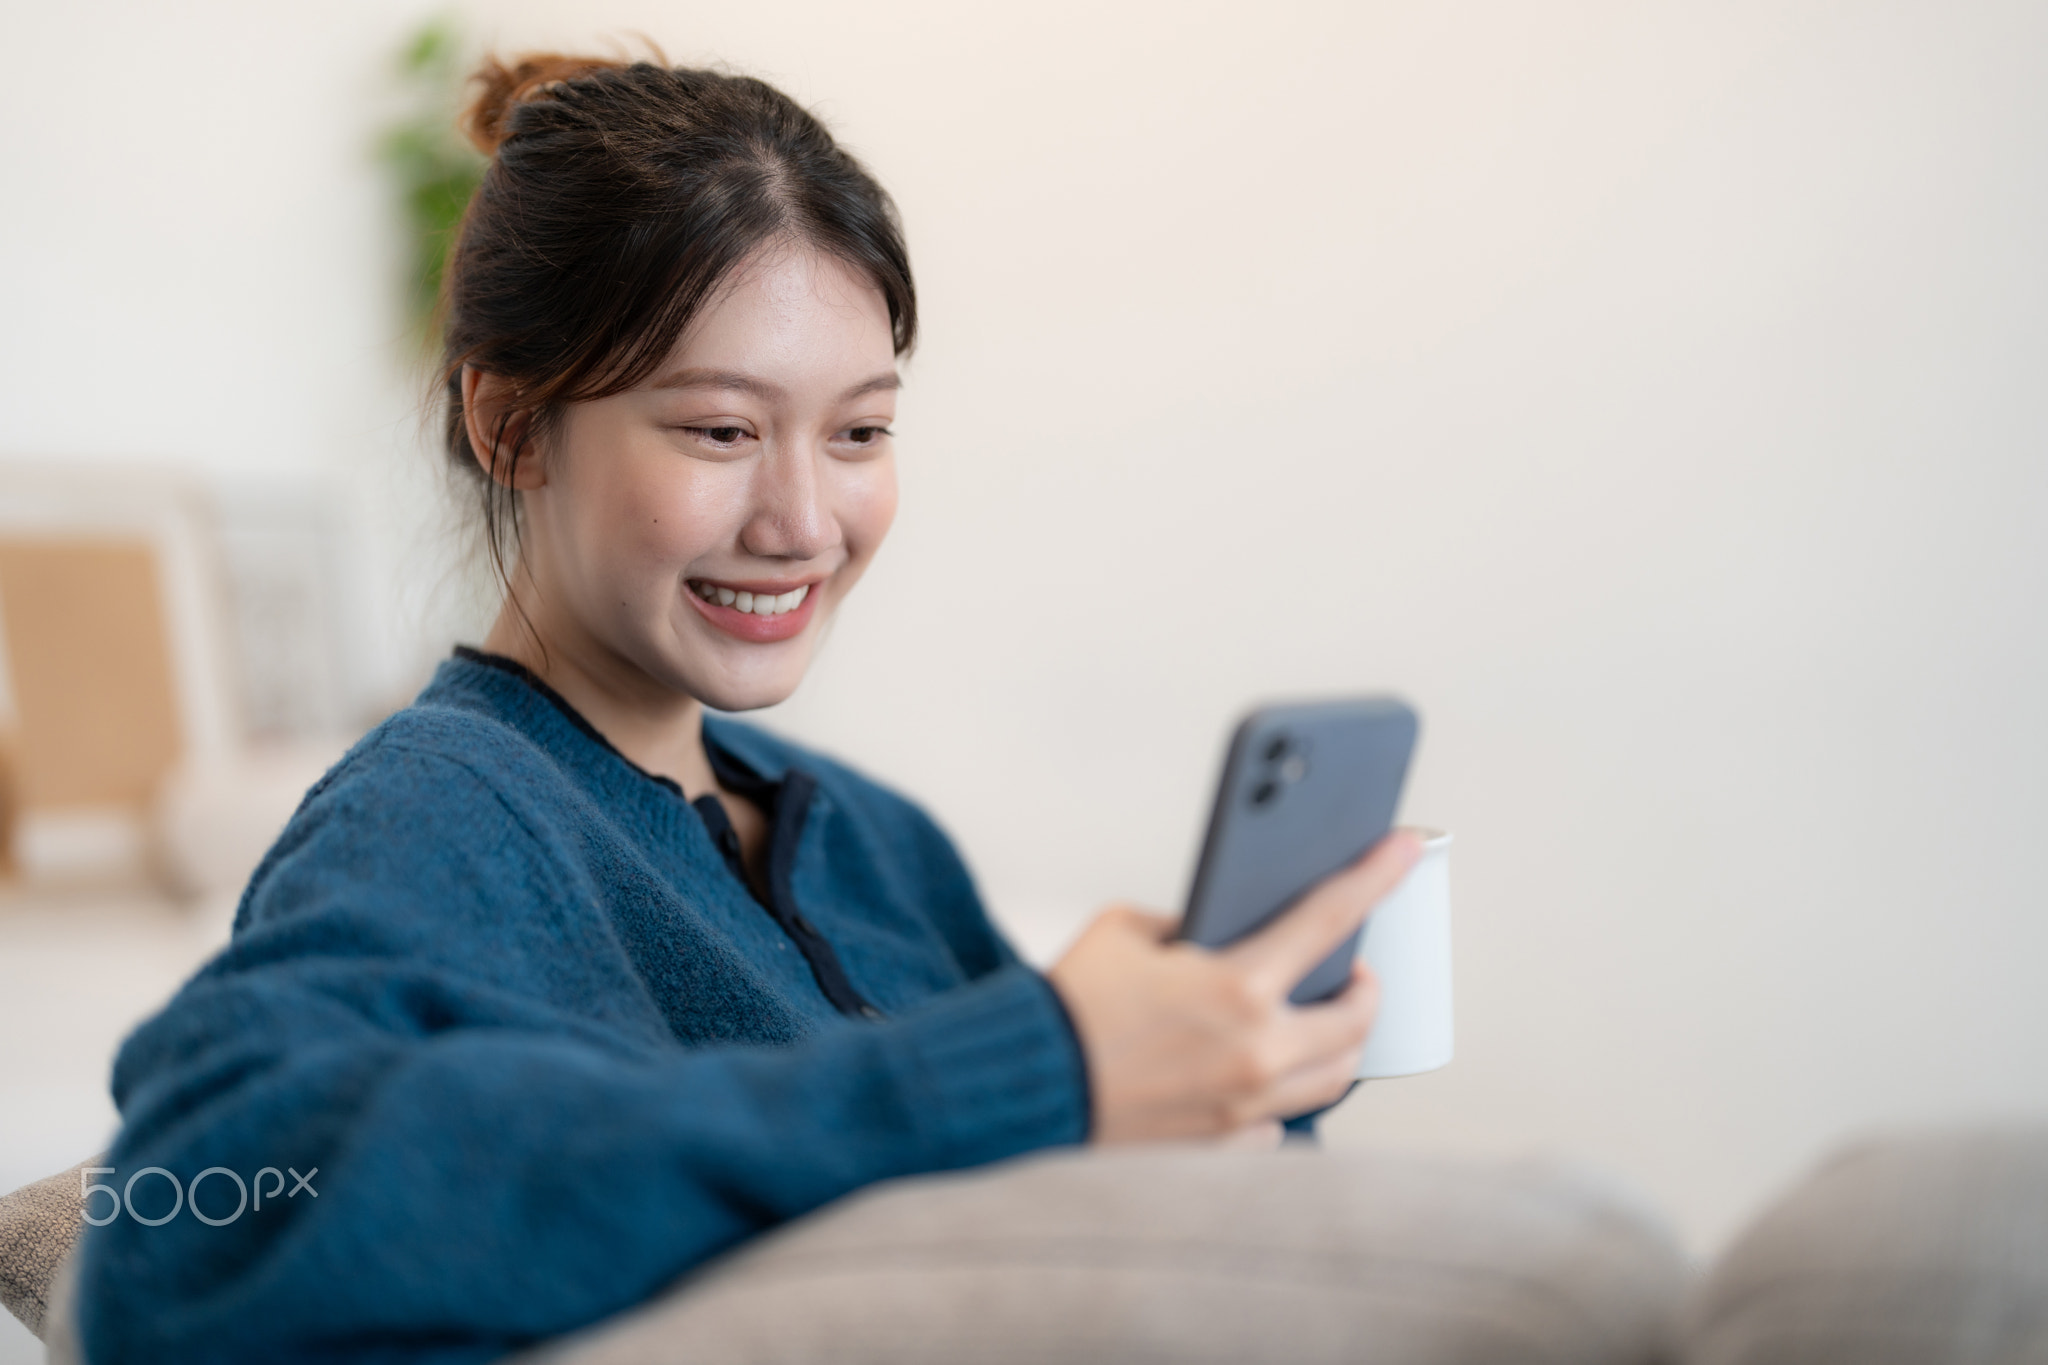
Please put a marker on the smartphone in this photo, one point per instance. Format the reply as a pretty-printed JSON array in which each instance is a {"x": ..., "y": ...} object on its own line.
[{"x": 1307, "y": 788}]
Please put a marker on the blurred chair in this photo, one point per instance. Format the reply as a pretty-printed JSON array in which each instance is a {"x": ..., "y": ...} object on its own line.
[
  {"x": 90, "y": 671},
  {"x": 10, "y": 800},
  {"x": 113, "y": 665},
  {"x": 118, "y": 684}
]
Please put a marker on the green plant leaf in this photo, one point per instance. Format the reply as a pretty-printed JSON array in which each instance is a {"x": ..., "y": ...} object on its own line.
[{"x": 432, "y": 171}]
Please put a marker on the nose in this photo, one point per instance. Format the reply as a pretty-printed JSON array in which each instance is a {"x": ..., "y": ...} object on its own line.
[{"x": 789, "y": 518}]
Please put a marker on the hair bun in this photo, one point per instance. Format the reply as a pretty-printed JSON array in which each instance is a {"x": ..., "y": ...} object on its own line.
[{"x": 501, "y": 89}]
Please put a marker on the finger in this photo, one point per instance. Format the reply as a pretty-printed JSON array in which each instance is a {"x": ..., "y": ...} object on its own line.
[
  {"x": 1311, "y": 1034},
  {"x": 1155, "y": 925},
  {"x": 1281, "y": 954},
  {"x": 1142, "y": 923},
  {"x": 1313, "y": 1088},
  {"x": 1366, "y": 980}
]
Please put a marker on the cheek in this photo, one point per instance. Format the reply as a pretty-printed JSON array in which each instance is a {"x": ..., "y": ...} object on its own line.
[
  {"x": 659, "y": 524},
  {"x": 868, "y": 507}
]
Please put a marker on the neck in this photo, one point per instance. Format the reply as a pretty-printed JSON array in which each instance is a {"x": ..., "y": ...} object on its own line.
[{"x": 658, "y": 728}]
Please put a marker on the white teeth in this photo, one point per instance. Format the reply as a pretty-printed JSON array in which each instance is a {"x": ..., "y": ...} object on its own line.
[{"x": 757, "y": 604}]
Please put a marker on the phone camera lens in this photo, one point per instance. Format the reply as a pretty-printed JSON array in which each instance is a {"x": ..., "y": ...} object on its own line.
[
  {"x": 1277, "y": 748},
  {"x": 1264, "y": 793}
]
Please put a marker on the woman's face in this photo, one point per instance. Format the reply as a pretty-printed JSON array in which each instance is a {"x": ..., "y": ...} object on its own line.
[{"x": 700, "y": 529}]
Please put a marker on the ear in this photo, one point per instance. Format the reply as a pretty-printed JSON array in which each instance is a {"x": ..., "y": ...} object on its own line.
[{"x": 493, "y": 422}]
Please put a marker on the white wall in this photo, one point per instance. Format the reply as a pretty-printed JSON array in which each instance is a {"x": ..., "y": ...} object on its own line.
[{"x": 1650, "y": 392}]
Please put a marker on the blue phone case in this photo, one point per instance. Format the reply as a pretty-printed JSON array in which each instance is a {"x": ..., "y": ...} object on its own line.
[{"x": 1307, "y": 788}]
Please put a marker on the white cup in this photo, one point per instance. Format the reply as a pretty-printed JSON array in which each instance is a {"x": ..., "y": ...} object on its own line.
[{"x": 1408, "y": 945}]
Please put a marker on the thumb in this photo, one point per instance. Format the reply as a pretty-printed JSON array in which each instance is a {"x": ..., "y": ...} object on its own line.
[{"x": 1146, "y": 923}]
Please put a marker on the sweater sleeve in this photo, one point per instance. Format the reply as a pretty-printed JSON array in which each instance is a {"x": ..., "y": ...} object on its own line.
[{"x": 498, "y": 1161}]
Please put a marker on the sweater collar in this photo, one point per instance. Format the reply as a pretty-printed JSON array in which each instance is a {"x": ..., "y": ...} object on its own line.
[{"x": 743, "y": 759}]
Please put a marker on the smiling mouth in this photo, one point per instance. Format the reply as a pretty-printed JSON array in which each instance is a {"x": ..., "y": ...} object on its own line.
[
  {"x": 751, "y": 614},
  {"x": 752, "y": 603}
]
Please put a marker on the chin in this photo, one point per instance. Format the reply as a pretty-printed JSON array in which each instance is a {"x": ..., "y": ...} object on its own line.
[
  {"x": 744, "y": 698},
  {"x": 728, "y": 675},
  {"x": 724, "y": 690}
]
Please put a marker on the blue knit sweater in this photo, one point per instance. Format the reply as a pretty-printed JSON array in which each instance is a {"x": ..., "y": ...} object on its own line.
[{"x": 546, "y": 1050}]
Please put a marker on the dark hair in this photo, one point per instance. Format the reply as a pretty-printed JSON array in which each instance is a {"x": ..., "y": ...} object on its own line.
[{"x": 618, "y": 197}]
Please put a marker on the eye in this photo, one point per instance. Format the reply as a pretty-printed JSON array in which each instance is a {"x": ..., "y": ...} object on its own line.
[
  {"x": 722, "y": 435},
  {"x": 866, "y": 436}
]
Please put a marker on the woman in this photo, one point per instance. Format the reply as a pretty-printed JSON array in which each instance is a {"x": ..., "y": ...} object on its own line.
[{"x": 557, "y": 987}]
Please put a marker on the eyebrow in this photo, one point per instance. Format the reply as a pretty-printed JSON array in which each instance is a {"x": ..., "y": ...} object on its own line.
[{"x": 734, "y": 381}]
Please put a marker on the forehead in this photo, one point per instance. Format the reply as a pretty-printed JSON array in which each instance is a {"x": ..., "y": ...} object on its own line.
[{"x": 792, "y": 310}]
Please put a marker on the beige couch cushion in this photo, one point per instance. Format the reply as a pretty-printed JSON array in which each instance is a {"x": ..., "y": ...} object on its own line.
[
  {"x": 1186, "y": 1256},
  {"x": 38, "y": 1225},
  {"x": 1163, "y": 1255},
  {"x": 1913, "y": 1251}
]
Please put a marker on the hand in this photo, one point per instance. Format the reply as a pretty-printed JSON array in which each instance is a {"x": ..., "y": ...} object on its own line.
[{"x": 1189, "y": 1042}]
